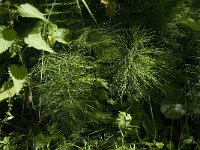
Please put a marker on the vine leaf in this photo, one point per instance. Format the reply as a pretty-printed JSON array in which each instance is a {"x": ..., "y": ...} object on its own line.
[
  {"x": 36, "y": 41},
  {"x": 5, "y": 44},
  {"x": 192, "y": 24},
  {"x": 172, "y": 110},
  {"x": 18, "y": 74},
  {"x": 27, "y": 10},
  {"x": 7, "y": 90}
]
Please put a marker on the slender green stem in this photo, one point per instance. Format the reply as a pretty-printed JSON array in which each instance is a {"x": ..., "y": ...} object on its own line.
[
  {"x": 122, "y": 134},
  {"x": 79, "y": 7},
  {"x": 155, "y": 130},
  {"x": 9, "y": 13},
  {"x": 51, "y": 10}
]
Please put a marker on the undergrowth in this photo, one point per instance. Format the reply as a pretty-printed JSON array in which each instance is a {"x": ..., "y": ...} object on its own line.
[{"x": 102, "y": 74}]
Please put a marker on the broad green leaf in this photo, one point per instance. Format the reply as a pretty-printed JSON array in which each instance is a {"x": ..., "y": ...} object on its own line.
[
  {"x": 9, "y": 34},
  {"x": 19, "y": 75},
  {"x": 7, "y": 91},
  {"x": 36, "y": 41},
  {"x": 27, "y": 10},
  {"x": 172, "y": 110},
  {"x": 57, "y": 34},
  {"x": 51, "y": 27},
  {"x": 192, "y": 24},
  {"x": 4, "y": 44},
  {"x": 60, "y": 35}
]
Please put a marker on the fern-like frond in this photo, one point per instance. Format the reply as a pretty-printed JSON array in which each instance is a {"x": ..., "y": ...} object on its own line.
[
  {"x": 138, "y": 69},
  {"x": 65, "y": 91}
]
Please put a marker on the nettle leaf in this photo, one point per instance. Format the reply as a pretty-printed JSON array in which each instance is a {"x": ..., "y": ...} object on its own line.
[
  {"x": 19, "y": 75},
  {"x": 51, "y": 27},
  {"x": 60, "y": 35},
  {"x": 7, "y": 90},
  {"x": 36, "y": 41},
  {"x": 123, "y": 120},
  {"x": 4, "y": 43},
  {"x": 57, "y": 34},
  {"x": 192, "y": 24},
  {"x": 9, "y": 34},
  {"x": 27, "y": 10},
  {"x": 172, "y": 110}
]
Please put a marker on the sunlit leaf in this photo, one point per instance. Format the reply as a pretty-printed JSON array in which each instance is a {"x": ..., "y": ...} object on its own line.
[
  {"x": 51, "y": 27},
  {"x": 192, "y": 24},
  {"x": 36, "y": 41},
  {"x": 60, "y": 35},
  {"x": 27, "y": 10},
  {"x": 123, "y": 120},
  {"x": 4, "y": 44},
  {"x": 18, "y": 74},
  {"x": 7, "y": 91},
  {"x": 57, "y": 34},
  {"x": 159, "y": 145}
]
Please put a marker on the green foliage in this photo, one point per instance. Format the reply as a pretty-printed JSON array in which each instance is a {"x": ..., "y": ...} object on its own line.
[
  {"x": 60, "y": 35},
  {"x": 192, "y": 24},
  {"x": 27, "y": 10},
  {"x": 124, "y": 84},
  {"x": 154, "y": 145},
  {"x": 18, "y": 74},
  {"x": 137, "y": 70},
  {"x": 5, "y": 43},
  {"x": 9, "y": 34},
  {"x": 36, "y": 41},
  {"x": 123, "y": 120},
  {"x": 68, "y": 76},
  {"x": 4, "y": 144},
  {"x": 172, "y": 111},
  {"x": 7, "y": 90}
]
